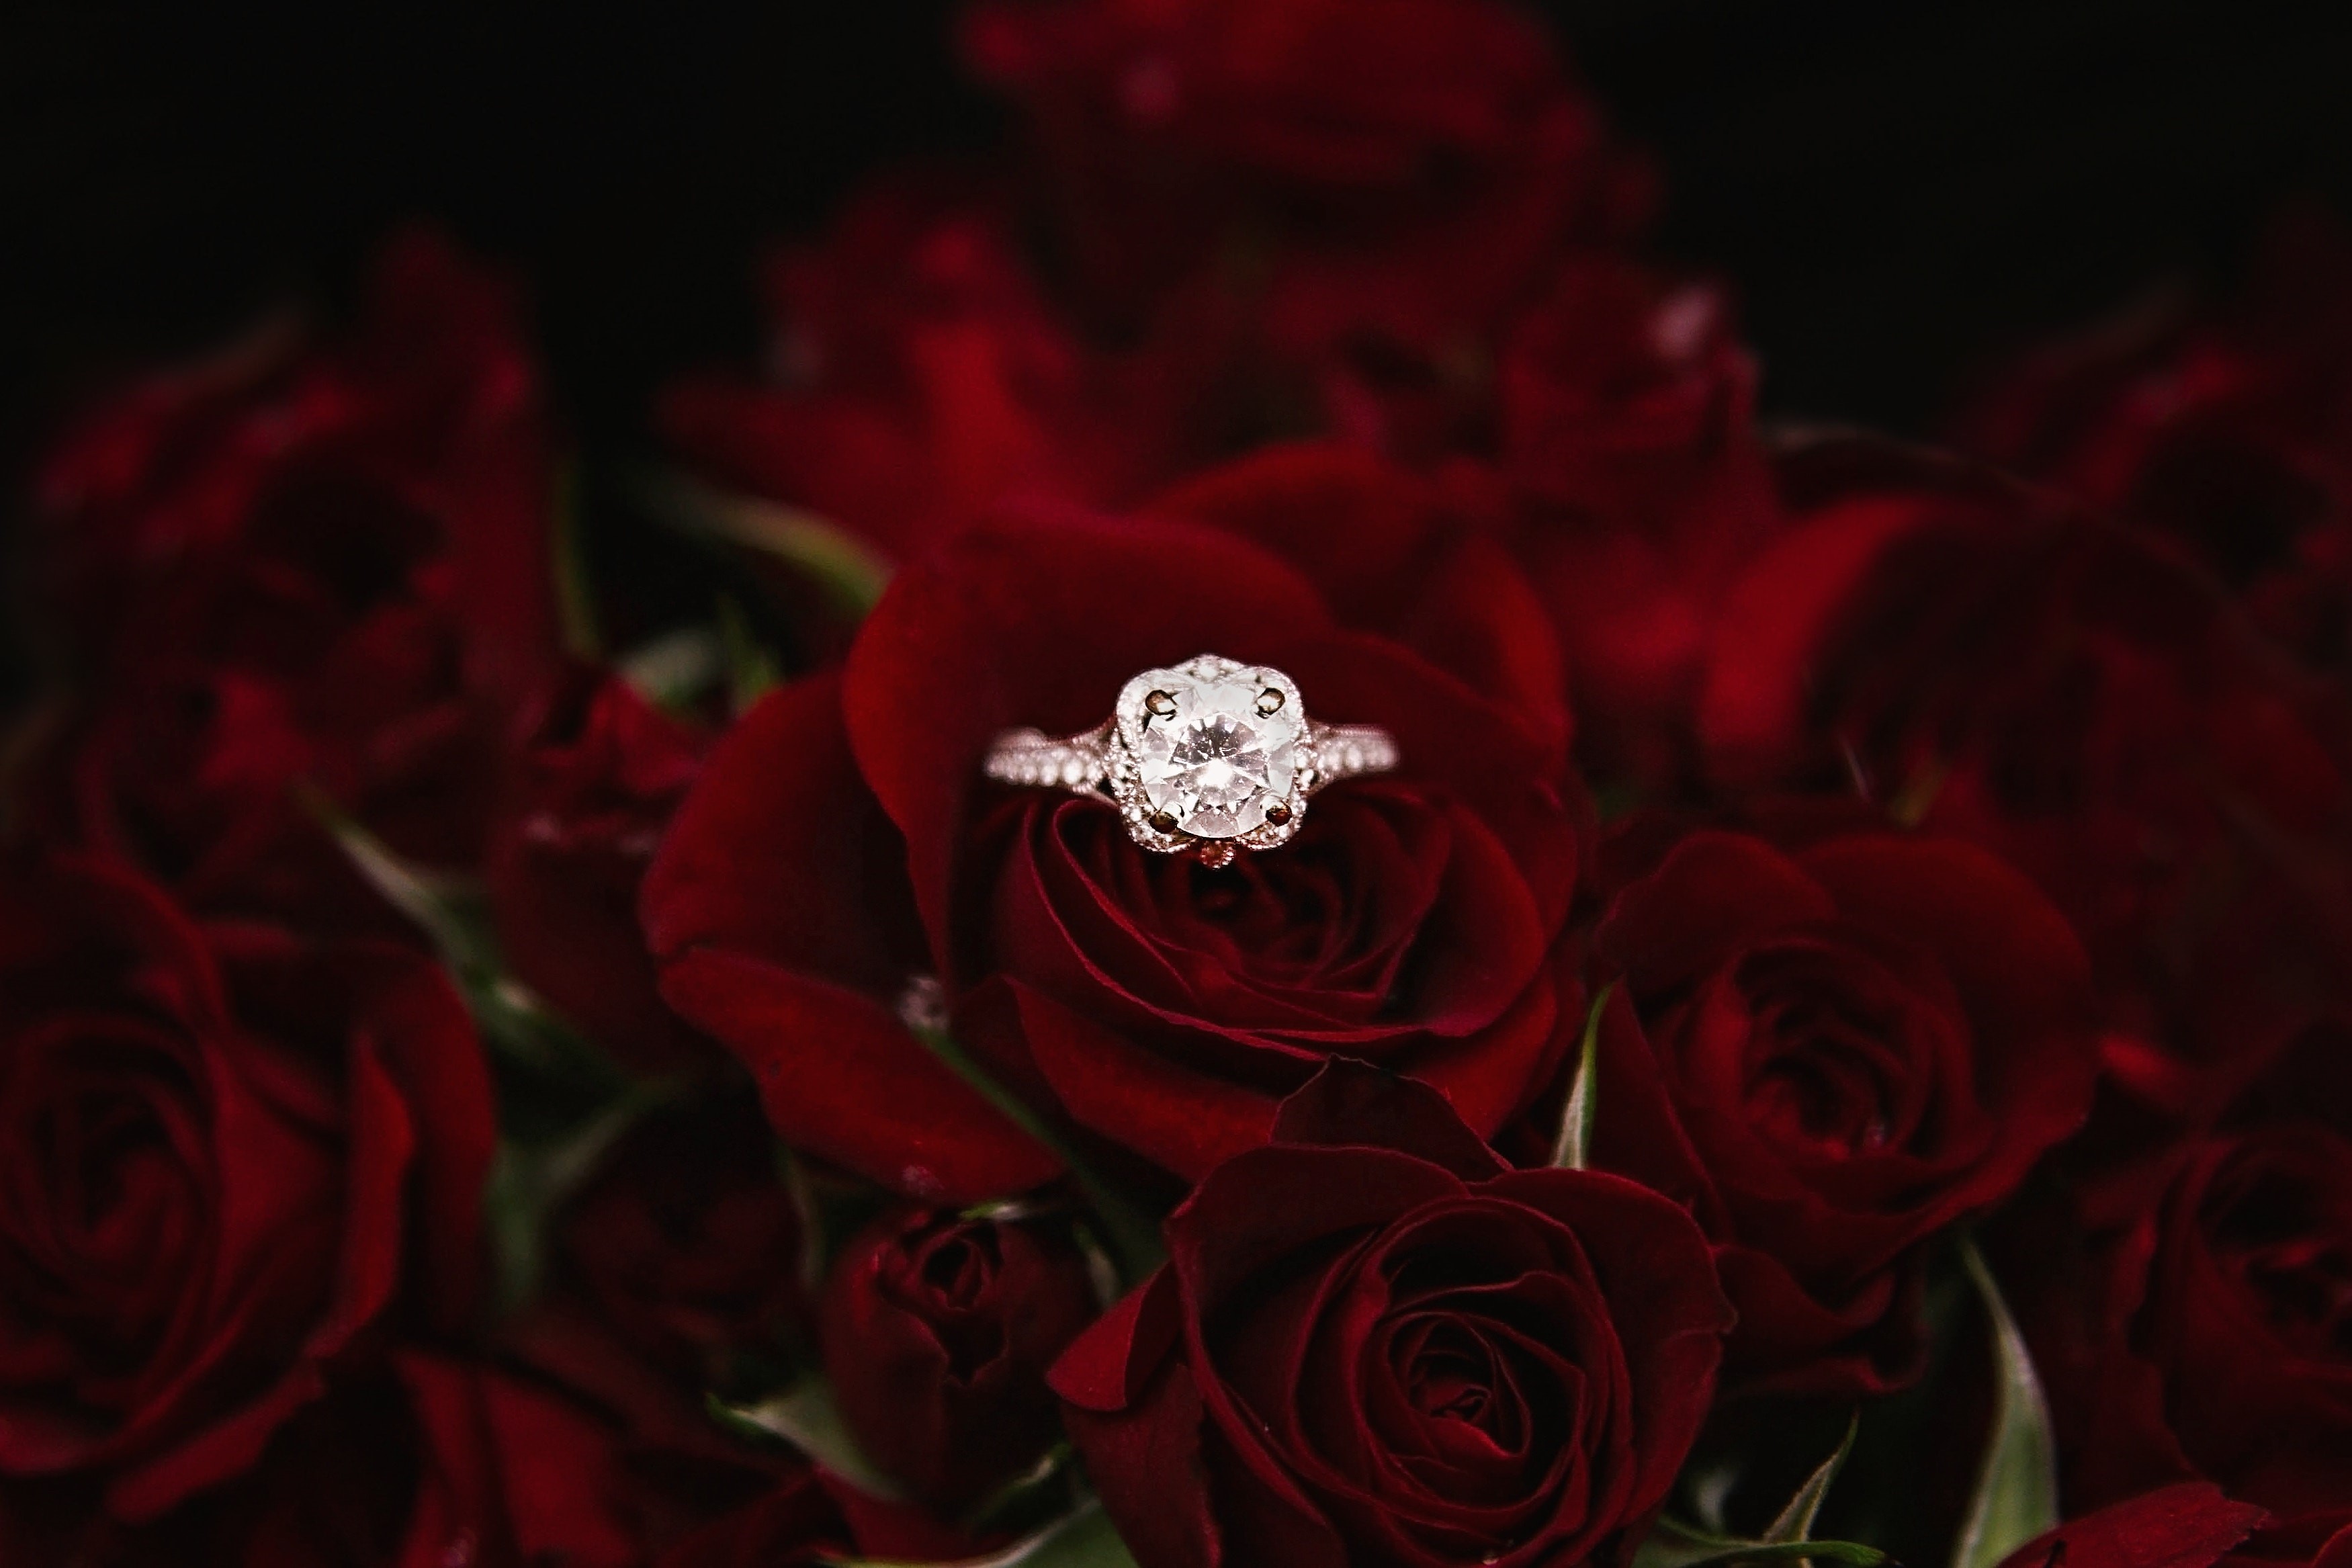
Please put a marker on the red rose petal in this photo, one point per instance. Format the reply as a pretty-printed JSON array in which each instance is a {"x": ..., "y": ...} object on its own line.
[{"x": 842, "y": 1078}]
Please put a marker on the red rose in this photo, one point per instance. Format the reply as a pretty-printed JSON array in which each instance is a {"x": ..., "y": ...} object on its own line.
[
  {"x": 1830, "y": 1055},
  {"x": 2227, "y": 429},
  {"x": 1402, "y": 167},
  {"x": 332, "y": 1491},
  {"x": 2209, "y": 1333},
  {"x": 2186, "y": 1526},
  {"x": 227, "y": 1141},
  {"x": 2322, "y": 1541},
  {"x": 324, "y": 566},
  {"x": 589, "y": 789},
  {"x": 434, "y": 1462},
  {"x": 1626, "y": 403},
  {"x": 1966, "y": 657},
  {"x": 1408, "y": 558},
  {"x": 510, "y": 1472},
  {"x": 678, "y": 1272},
  {"x": 2259, "y": 1227},
  {"x": 918, "y": 376},
  {"x": 841, "y": 841},
  {"x": 938, "y": 1332},
  {"x": 1372, "y": 1344}
]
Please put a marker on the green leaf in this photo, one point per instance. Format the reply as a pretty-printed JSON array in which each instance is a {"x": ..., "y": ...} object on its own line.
[
  {"x": 675, "y": 670},
  {"x": 2016, "y": 1495},
  {"x": 449, "y": 910},
  {"x": 1043, "y": 1491},
  {"x": 806, "y": 1416},
  {"x": 850, "y": 573},
  {"x": 1796, "y": 1520},
  {"x": 1614, "y": 798},
  {"x": 576, "y": 590},
  {"x": 793, "y": 1176},
  {"x": 563, "y": 1102},
  {"x": 752, "y": 670},
  {"x": 1575, "y": 1144},
  {"x": 530, "y": 1184},
  {"x": 1085, "y": 1538},
  {"x": 454, "y": 913},
  {"x": 1676, "y": 1545}
]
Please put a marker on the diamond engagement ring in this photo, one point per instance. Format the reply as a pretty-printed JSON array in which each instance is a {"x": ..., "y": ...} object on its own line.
[{"x": 1211, "y": 757}]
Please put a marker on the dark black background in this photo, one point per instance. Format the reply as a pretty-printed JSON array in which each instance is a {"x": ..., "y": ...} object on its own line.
[{"x": 1898, "y": 188}]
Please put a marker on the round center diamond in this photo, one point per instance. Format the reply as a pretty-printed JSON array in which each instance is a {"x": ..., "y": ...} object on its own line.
[{"x": 1214, "y": 762}]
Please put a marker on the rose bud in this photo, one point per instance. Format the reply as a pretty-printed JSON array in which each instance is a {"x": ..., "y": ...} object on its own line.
[
  {"x": 591, "y": 789},
  {"x": 1374, "y": 1345},
  {"x": 229, "y": 1149},
  {"x": 938, "y": 1332}
]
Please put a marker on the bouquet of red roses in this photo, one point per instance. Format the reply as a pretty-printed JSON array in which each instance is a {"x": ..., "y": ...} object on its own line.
[{"x": 1233, "y": 874}]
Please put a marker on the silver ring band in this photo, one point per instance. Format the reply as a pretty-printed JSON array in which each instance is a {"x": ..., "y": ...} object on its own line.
[{"x": 1081, "y": 764}]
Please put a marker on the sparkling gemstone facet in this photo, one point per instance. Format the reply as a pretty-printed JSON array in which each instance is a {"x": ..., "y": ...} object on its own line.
[{"x": 1214, "y": 762}]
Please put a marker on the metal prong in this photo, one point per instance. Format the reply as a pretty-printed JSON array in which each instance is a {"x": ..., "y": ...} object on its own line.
[
  {"x": 1159, "y": 703},
  {"x": 1270, "y": 699},
  {"x": 1278, "y": 815},
  {"x": 1162, "y": 822}
]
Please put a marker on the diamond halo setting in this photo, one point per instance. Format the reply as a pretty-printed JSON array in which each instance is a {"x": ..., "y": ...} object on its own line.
[{"x": 1210, "y": 757}]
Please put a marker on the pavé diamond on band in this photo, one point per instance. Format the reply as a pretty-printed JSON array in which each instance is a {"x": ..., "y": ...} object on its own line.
[{"x": 1211, "y": 757}]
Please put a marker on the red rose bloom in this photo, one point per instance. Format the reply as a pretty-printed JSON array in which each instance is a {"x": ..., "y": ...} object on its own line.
[
  {"x": 1403, "y": 166},
  {"x": 2260, "y": 1229},
  {"x": 224, "y": 1142},
  {"x": 2188, "y": 1526},
  {"x": 1626, "y": 405},
  {"x": 2321, "y": 1541},
  {"x": 1372, "y": 1344},
  {"x": 436, "y": 1464},
  {"x": 916, "y": 377},
  {"x": 841, "y": 841},
  {"x": 938, "y": 1332},
  {"x": 1966, "y": 657},
  {"x": 2226, "y": 429},
  {"x": 324, "y": 566},
  {"x": 2209, "y": 1333},
  {"x": 589, "y": 789},
  {"x": 510, "y": 1472},
  {"x": 1830, "y": 1056}
]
